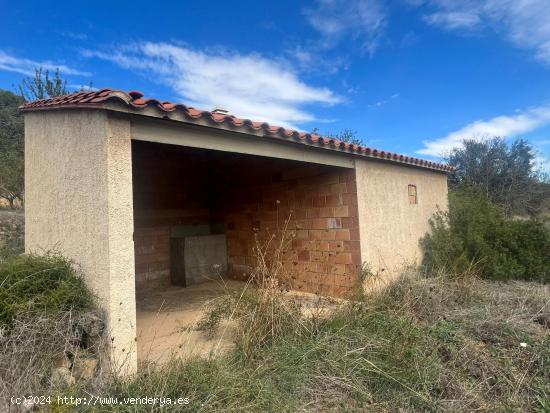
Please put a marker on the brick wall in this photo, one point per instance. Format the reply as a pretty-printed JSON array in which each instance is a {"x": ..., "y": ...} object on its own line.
[
  {"x": 323, "y": 253},
  {"x": 252, "y": 197},
  {"x": 167, "y": 192}
]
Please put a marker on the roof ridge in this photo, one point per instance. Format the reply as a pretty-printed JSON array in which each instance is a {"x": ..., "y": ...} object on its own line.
[{"x": 137, "y": 100}]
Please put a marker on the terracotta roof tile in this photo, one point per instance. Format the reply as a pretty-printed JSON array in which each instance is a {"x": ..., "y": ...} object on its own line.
[{"x": 136, "y": 100}]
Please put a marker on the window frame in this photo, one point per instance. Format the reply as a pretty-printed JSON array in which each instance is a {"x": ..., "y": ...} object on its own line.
[{"x": 412, "y": 194}]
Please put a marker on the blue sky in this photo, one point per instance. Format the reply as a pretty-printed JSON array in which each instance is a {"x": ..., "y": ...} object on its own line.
[{"x": 412, "y": 76}]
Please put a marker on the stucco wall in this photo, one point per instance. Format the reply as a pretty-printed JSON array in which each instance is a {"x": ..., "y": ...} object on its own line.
[
  {"x": 390, "y": 227},
  {"x": 78, "y": 186}
]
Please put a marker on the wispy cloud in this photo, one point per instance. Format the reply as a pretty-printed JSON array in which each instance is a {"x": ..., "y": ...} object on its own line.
[
  {"x": 525, "y": 23},
  {"x": 336, "y": 20},
  {"x": 26, "y": 66},
  {"x": 501, "y": 126},
  {"x": 453, "y": 20},
  {"x": 250, "y": 86},
  {"x": 381, "y": 103}
]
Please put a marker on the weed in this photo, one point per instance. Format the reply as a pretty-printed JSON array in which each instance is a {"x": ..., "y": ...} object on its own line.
[{"x": 44, "y": 284}]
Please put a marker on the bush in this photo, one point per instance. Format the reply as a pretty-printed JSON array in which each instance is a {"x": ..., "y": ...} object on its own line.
[
  {"x": 476, "y": 231},
  {"x": 12, "y": 234},
  {"x": 42, "y": 284}
]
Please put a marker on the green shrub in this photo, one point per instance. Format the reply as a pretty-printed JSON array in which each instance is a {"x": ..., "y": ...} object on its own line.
[
  {"x": 475, "y": 230},
  {"x": 12, "y": 247},
  {"x": 12, "y": 234},
  {"x": 45, "y": 284}
]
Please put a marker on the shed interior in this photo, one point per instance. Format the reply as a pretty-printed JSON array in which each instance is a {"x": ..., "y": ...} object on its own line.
[{"x": 210, "y": 208}]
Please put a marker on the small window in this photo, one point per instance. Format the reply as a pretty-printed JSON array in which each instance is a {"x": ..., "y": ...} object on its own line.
[{"x": 412, "y": 195}]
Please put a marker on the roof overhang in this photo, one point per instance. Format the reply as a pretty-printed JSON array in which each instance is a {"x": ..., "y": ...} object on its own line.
[{"x": 166, "y": 116}]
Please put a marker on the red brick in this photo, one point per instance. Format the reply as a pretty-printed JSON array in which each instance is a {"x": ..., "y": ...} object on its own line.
[
  {"x": 342, "y": 258},
  {"x": 338, "y": 188},
  {"x": 338, "y": 269},
  {"x": 327, "y": 212},
  {"x": 341, "y": 211},
  {"x": 319, "y": 201},
  {"x": 351, "y": 246},
  {"x": 303, "y": 256},
  {"x": 334, "y": 200},
  {"x": 354, "y": 234},
  {"x": 313, "y": 213},
  {"x": 322, "y": 246},
  {"x": 342, "y": 235},
  {"x": 333, "y": 223}
]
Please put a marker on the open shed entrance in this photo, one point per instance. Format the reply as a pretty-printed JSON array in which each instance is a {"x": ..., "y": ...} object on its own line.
[{"x": 197, "y": 214}]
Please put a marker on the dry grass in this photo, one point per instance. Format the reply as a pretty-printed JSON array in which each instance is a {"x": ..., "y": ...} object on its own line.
[
  {"x": 424, "y": 344},
  {"x": 439, "y": 343},
  {"x": 36, "y": 344},
  {"x": 263, "y": 311}
]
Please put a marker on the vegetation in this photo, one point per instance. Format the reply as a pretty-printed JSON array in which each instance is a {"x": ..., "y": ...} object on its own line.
[
  {"x": 41, "y": 285},
  {"x": 47, "y": 322},
  {"x": 441, "y": 340},
  {"x": 476, "y": 231},
  {"x": 506, "y": 174},
  {"x": 346, "y": 135},
  {"x": 11, "y": 234},
  {"x": 11, "y": 148},
  {"x": 425, "y": 344},
  {"x": 40, "y": 86}
]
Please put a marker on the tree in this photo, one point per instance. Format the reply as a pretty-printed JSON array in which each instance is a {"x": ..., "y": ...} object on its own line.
[
  {"x": 347, "y": 135},
  {"x": 12, "y": 177},
  {"x": 41, "y": 86},
  {"x": 11, "y": 147},
  {"x": 505, "y": 173}
]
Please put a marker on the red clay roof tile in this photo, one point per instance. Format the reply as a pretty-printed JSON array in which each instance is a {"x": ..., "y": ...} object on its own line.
[{"x": 136, "y": 100}]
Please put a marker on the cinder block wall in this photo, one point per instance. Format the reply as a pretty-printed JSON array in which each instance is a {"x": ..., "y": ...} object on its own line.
[{"x": 324, "y": 255}]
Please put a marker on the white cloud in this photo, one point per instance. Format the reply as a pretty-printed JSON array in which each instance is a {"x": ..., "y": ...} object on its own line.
[
  {"x": 501, "y": 126},
  {"x": 364, "y": 20},
  {"x": 453, "y": 20},
  {"x": 381, "y": 103},
  {"x": 526, "y": 23},
  {"x": 26, "y": 66},
  {"x": 249, "y": 86}
]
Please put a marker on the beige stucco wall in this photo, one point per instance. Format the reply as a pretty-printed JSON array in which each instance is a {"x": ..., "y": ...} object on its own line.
[
  {"x": 78, "y": 182},
  {"x": 389, "y": 226}
]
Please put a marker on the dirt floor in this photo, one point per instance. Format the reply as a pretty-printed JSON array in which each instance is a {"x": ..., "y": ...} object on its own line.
[{"x": 166, "y": 320}]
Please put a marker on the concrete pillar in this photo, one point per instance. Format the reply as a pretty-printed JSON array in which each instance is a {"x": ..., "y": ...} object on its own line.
[{"x": 78, "y": 190}]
